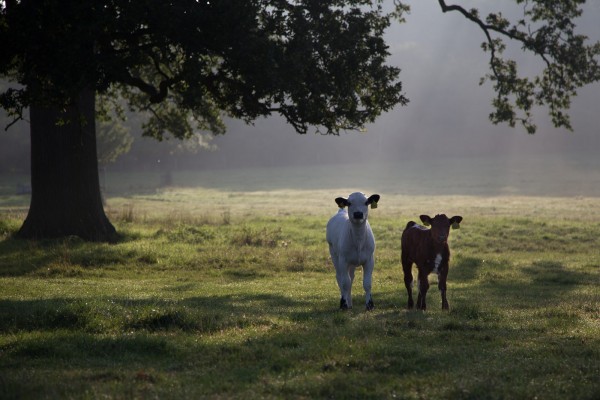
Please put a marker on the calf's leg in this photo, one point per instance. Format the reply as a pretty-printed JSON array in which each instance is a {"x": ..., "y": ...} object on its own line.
[
  {"x": 343, "y": 279},
  {"x": 351, "y": 270},
  {"x": 423, "y": 287},
  {"x": 442, "y": 277},
  {"x": 408, "y": 280}
]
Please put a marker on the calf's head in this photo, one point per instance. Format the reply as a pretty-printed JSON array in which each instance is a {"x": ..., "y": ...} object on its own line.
[
  {"x": 440, "y": 227},
  {"x": 358, "y": 206}
]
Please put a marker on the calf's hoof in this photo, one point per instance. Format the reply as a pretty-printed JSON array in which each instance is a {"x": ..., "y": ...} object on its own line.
[
  {"x": 343, "y": 304},
  {"x": 370, "y": 305},
  {"x": 445, "y": 306},
  {"x": 411, "y": 304}
]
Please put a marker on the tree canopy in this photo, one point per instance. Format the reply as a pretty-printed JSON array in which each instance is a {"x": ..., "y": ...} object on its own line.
[{"x": 186, "y": 62}]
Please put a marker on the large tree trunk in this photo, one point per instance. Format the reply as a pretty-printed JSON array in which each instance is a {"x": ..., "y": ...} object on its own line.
[{"x": 65, "y": 189}]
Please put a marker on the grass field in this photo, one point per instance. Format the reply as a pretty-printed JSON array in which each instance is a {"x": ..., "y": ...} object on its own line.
[{"x": 218, "y": 293}]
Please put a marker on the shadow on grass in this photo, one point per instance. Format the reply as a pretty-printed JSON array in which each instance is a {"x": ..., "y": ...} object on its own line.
[
  {"x": 278, "y": 345},
  {"x": 549, "y": 280},
  {"x": 76, "y": 345},
  {"x": 465, "y": 268},
  {"x": 115, "y": 316},
  {"x": 550, "y": 272},
  {"x": 64, "y": 256}
]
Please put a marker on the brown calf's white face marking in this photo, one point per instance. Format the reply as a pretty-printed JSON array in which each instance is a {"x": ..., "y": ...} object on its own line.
[{"x": 440, "y": 230}]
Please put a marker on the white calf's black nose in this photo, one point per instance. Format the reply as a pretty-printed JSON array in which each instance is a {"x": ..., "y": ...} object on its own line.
[{"x": 358, "y": 215}]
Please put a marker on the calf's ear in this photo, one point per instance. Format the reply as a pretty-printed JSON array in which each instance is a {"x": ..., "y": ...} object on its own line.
[
  {"x": 426, "y": 219},
  {"x": 455, "y": 221},
  {"x": 342, "y": 202},
  {"x": 373, "y": 200}
]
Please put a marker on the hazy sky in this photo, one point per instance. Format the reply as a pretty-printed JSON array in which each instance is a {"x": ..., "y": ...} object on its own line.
[{"x": 442, "y": 63}]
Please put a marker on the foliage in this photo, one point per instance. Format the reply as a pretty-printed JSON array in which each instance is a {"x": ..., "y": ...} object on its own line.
[
  {"x": 547, "y": 30},
  {"x": 185, "y": 63},
  {"x": 120, "y": 132},
  {"x": 195, "y": 305},
  {"x": 112, "y": 136}
]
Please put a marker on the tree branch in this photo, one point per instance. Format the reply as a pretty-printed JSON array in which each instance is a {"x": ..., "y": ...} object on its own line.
[
  {"x": 513, "y": 34},
  {"x": 156, "y": 94},
  {"x": 569, "y": 63},
  {"x": 14, "y": 121}
]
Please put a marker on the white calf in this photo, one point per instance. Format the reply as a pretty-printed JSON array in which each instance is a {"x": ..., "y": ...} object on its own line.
[{"x": 351, "y": 243}]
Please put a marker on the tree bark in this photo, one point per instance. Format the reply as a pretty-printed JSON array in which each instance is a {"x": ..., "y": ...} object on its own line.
[{"x": 65, "y": 188}]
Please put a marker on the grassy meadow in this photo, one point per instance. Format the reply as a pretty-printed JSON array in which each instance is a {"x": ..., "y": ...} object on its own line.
[{"x": 220, "y": 293}]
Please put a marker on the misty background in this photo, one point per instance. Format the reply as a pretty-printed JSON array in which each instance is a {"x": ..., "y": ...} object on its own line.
[{"x": 441, "y": 141}]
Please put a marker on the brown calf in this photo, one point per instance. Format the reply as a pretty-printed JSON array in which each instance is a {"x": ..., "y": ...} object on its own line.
[{"x": 428, "y": 248}]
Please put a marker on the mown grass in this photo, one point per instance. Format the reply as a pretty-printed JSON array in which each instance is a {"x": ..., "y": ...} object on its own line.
[{"x": 216, "y": 294}]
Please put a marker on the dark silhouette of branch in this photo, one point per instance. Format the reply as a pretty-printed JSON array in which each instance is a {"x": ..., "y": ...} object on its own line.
[{"x": 570, "y": 62}]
